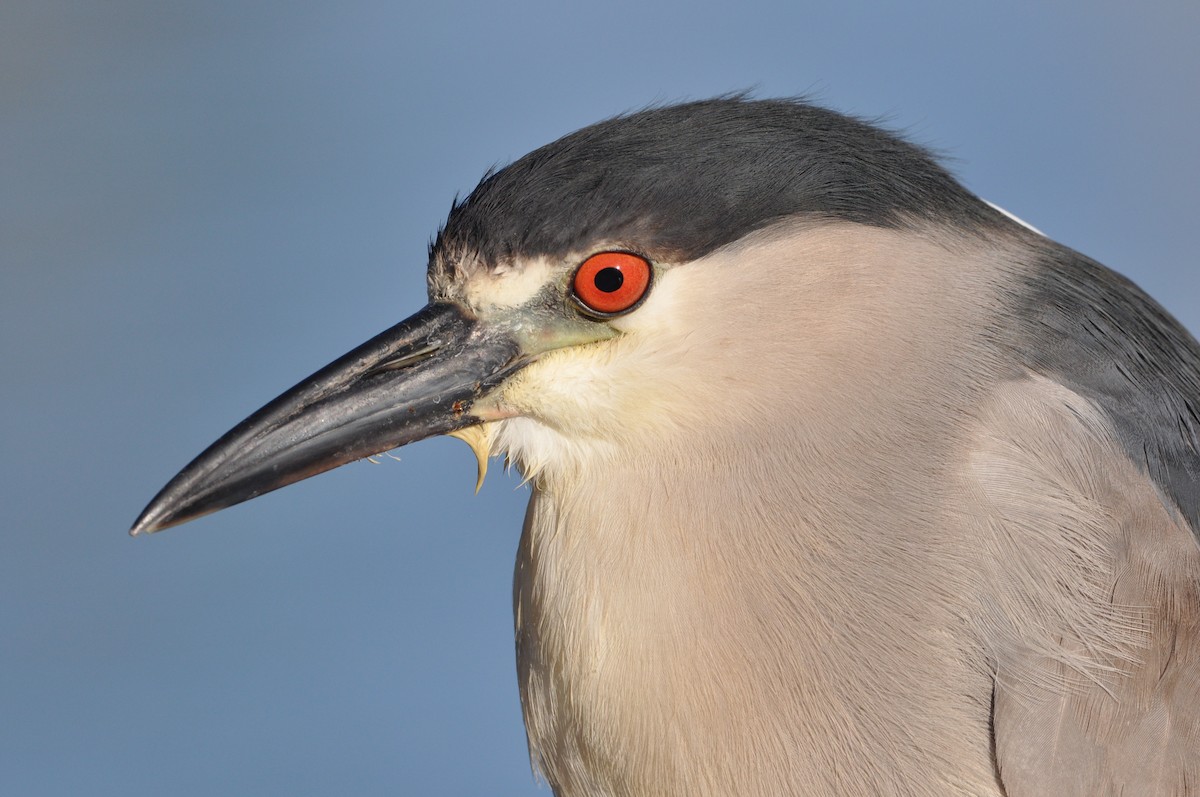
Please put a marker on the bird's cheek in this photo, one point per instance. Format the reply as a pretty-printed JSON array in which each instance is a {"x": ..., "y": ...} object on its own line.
[{"x": 525, "y": 395}]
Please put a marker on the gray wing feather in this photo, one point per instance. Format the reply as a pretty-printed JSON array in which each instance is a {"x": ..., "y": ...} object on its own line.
[{"x": 1098, "y": 670}]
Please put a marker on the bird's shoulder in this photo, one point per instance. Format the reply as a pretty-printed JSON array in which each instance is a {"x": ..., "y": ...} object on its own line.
[{"x": 1093, "y": 331}]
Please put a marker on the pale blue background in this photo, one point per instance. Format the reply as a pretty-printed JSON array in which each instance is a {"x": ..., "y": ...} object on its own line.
[{"x": 200, "y": 203}]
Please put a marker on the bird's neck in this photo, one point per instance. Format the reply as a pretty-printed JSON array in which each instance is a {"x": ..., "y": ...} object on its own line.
[{"x": 677, "y": 638}]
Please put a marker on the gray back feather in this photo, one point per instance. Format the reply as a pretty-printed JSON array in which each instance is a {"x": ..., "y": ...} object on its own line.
[{"x": 1098, "y": 333}]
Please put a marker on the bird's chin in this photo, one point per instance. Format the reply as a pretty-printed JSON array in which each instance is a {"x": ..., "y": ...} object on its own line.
[{"x": 540, "y": 451}]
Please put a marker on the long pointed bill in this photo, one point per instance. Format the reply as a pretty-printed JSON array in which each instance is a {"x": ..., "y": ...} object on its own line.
[{"x": 417, "y": 379}]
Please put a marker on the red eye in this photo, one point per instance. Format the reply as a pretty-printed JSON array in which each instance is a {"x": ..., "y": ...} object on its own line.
[{"x": 612, "y": 282}]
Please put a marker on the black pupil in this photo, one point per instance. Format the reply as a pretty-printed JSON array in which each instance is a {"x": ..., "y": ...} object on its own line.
[{"x": 609, "y": 279}]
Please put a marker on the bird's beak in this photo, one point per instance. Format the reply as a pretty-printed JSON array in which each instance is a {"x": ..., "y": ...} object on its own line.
[{"x": 419, "y": 378}]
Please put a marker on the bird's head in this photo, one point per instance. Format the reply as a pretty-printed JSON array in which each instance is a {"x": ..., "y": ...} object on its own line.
[{"x": 583, "y": 297}]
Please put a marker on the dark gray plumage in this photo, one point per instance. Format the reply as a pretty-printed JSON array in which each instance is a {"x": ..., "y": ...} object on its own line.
[{"x": 682, "y": 180}]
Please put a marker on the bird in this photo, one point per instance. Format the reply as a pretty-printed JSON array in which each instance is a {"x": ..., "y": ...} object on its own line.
[{"x": 844, "y": 481}]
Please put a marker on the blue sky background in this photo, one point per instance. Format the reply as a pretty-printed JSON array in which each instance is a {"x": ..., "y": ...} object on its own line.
[{"x": 201, "y": 203}]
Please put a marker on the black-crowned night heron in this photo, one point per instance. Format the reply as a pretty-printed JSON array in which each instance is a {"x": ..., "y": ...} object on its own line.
[{"x": 844, "y": 481}]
